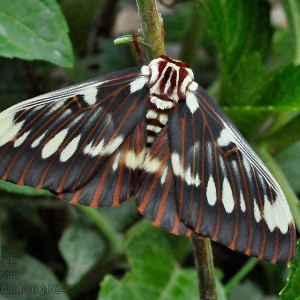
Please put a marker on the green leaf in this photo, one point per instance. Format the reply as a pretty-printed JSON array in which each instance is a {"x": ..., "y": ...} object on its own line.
[
  {"x": 289, "y": 161},
  {"x": 292, "y": 10},
  {"x": 282, "y": 48},
  {"x": 292, "y": 288},
  {"x": 156, "y": 273},
  {"x": 23, "y": 190},
  {"x": 23, "y": 277},
  {"x": 287, "y": 134},
  {"x": 237, "y": 28},
  {"x": 284, "y": 89},
  {"x": 247, "y": 84},
  {"x": 275, "y": 96},
  {"x": 82, "y": 248},
  {"x": 34, "y": 29},
  {"x": 248, "y": 291}
]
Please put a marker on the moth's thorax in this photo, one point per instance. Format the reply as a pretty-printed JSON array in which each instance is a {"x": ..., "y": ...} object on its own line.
[
  {"x": 168, "y": 82},
  {"x": 168, "y": 78}
]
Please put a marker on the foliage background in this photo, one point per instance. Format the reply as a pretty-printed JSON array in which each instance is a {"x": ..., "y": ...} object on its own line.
[{"x": 248, "y": 63}]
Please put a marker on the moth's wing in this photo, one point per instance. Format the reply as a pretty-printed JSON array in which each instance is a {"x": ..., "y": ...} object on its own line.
[
  {"x": 70, "y": 140},
  {"x": 155, "y": 192},
  {"x": 222, "y": 188}
]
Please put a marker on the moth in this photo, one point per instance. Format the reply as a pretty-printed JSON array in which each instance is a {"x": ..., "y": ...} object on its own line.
[{"x": 153, "y": 133}]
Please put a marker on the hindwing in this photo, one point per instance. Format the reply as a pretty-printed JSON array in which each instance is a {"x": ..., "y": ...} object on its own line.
[{"x": 222, "y": 189}]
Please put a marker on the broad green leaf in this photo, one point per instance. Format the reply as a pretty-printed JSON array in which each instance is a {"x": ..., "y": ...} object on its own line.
[
  {"x": 277, "y": 99},
  {"x": 156, "y": 273},
  {"x": 247, "y": 84},
  {"x": 82, "y": 248},
  {"x": 23, "y": 190},
  {"x": 284, "y": 88},
  {"x": 34, "y": 29},
  {"x": 292, "y": 10},
  {"x": 292, "y": 289},
  {"x": 287, "y": 134},
  {"x": 289, "y": 161},
  {"x": 237, "y": 28},
  {"x": 249, "y": 291},
  {"x": 249, "y": 119},
  {"x": 23, "y": 277},
  {"x": 282, "y": 48}
]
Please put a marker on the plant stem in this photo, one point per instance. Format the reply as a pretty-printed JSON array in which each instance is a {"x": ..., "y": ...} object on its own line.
[
  {"x": 152, "y": 28},
  {"x": 278, "y": 174},
  {"x": 205, "y": 269}
]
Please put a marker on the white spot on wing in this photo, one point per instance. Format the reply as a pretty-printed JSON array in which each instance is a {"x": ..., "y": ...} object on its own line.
[
  {"x": 225, "y": 138},
  {"x": 53, "y": 144},
  {"x": 211, "y": 191},
  {"x": 90, "y": 95},
  {"x": 87, "y": 149},
  {"x": 227, "y": 196},
  {"x": 176, "y": 164},
  {"x": 242, "y": 202},
  {"x": 116, "y": 162},
  {"x": 111, "y": 147},
  {"x": 257, "y": 214},
  {"x": 190, "y": 179},
  {"x": 6, "y": 123},
  {"x": 134, "y": 161},
  {"x": 138, "y": 84},
  {"x": 37, "y": 141},
  {"x": 192, "y": 101},
  {"x": 70, "y": 149},
  {"x": 9, "y": 130},
  {"x": 283, "y": 214},
  {"x": 164, "y": 175},
  {"x": 151, "y": 165},
  {"x": 269, "y": 214},
  {"x": 96, "y": 150},
  {"x": 20, "y": 140}
]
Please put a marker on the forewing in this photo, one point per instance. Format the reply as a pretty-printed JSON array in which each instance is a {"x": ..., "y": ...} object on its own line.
[
  {"x": 223, "y": 189},
  {"x": 64, "y": 140}
]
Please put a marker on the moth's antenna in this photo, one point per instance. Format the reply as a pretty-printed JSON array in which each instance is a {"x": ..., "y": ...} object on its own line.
[{"x": 138, "y": 49}]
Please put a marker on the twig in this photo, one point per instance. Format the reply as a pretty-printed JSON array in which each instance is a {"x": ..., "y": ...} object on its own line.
[
  {"x": 205, "y": 269},
  {"x": 151, "y": 28}
]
